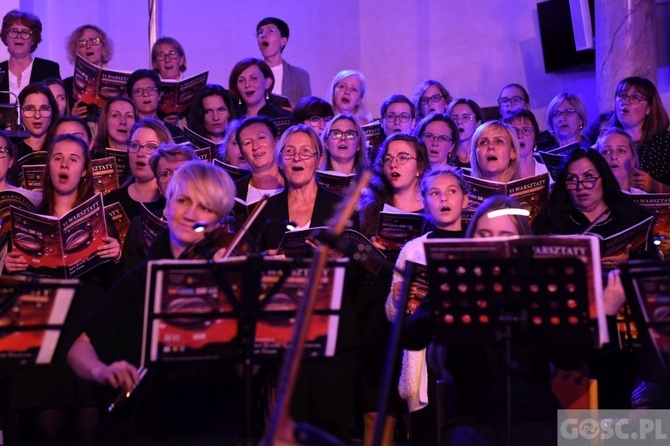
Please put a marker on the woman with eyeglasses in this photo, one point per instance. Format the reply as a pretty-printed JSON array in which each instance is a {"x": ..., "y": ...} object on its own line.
[
  {"x": 145, "y": 137},
  {"x": 212, "y": 108},
  {"x": 168, "y": 58},
  {"x": 586, "y": 192},
  {"x": 431, "y": 97},
  {"x": 397, "y": 115},
  {"x": 314, "y": 112},
  {"x": 59, "y": 404},
  {"x": 22, "y": 33},
  {"x": 93, "y": 44},
  {"x": 526, "y": 127},
  {"x": 39, "y": 113},
  {"x": 118, "y": 116},
  {"x": 398, "y": 169},
  {"x": 440, "y": 135},
  {"x": 445, "y": 195},
  {"x": 467, "y": 115},
  {"x": 513, "y": 97},
  {"x": 345, "y": 145},
  {"x": 495, "y": 152},
  {"x": 640, "y": 112},
  {"x": 566, "y": 118},
  {"x": 299, "y": 153},
  {"x": 587, "y": 195}
]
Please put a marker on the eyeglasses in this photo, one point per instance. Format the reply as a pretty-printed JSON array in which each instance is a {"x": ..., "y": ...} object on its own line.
[
  {"x": 303, "y": 154},
  {"x": 462, "y": 118},
  {"x": 317, "y": 120},
  {"x": 514, "y": 100},
  {"x": 568, "y": 112},
  {"x": 401, "y": 159},
  {"x": 23, "y": 33},
  {"x": 403, "y": 117},
  {"x": 169, "y": 55},
  {"x": 133, "y": 147},
  {"x": 634, "y": 99},
  {"x": 95, "y": 41},
  {"x": 29, "y": 111},
  {"x": 434, "y": 99},
  {"x": 4, "y": 151},
  {"x": 349, "y": 134},
  {"x": 587, "y": 183},
  {"x": 164, "y": 176},
  {"x": 150, "y": 91},
  {"x": 440, "y": 138},
  {"x": 524, "y": 131}
]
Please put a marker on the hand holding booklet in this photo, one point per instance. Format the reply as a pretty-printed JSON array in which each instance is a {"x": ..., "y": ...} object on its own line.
[{"x": 62, "y": 247}]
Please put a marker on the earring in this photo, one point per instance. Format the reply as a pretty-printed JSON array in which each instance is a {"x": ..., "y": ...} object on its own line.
[
  {"x": 267, "y": 95},
  {"x": 239, "y": 101},
  {"x": 581, "y": 127}
]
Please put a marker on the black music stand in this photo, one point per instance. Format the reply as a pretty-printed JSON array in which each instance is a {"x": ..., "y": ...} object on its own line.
[
  {"x": 480, "y": 302},
  {"x": 239, "y": 308},
  {"x": 32, "y": 314},
  {"x": 647, "y": 285}
]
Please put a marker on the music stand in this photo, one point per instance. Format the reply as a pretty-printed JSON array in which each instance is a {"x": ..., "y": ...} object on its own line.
[
  {"x": 649, "y": 283},
  {"x": 207, "y": 311},
  {"x": 32, "y": 314},
  {"x": 483, "y": 299}
]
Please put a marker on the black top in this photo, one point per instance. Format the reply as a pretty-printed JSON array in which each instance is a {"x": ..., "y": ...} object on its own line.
[
  {"x": 269, "y": 233},
  {"x": 654, "y": 156},
  {"x": 267, "y": 110},
  {"x": 130, "y": 206},
  {"x": 42, "y": 69},
  {"x": 566, "y": 221},
  {"x": 176, "y": 402}
]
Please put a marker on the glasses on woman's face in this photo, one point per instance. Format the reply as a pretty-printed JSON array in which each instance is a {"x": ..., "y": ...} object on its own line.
[
  {"x": 150, "y": 91},
  {"x": 164, "y": 176},
  {"x": 586, "y": 183},
  {"x": 514, "y": 101},
  {"x": 349, "y": 134},
  {"x": 568, "y": 113},
  {"x": 95, "y": 41},
  {"x": 304, "y": 153},
  {"x": 434, "y": 99},
  {"x": 315, "y": 121},
  {"x": 633, "y": 99},
  {"x": 400, "y": 159},
  {"x": 23, "y": 33},
  {"x": 29, "y": 111},
  {"x": 465, "y": 117},
  {"x": 439, "y": 138},
  {"x": 4, "y": 151},
  {"x": 149, "y": 148},
  {"x": 524, "y": 131},
  {"x": 171, "y": 55},
  {"x": 403, "y": 117}
]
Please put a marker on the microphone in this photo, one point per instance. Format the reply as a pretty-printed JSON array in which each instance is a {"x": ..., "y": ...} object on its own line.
[{"x": 201, "y": 226}]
